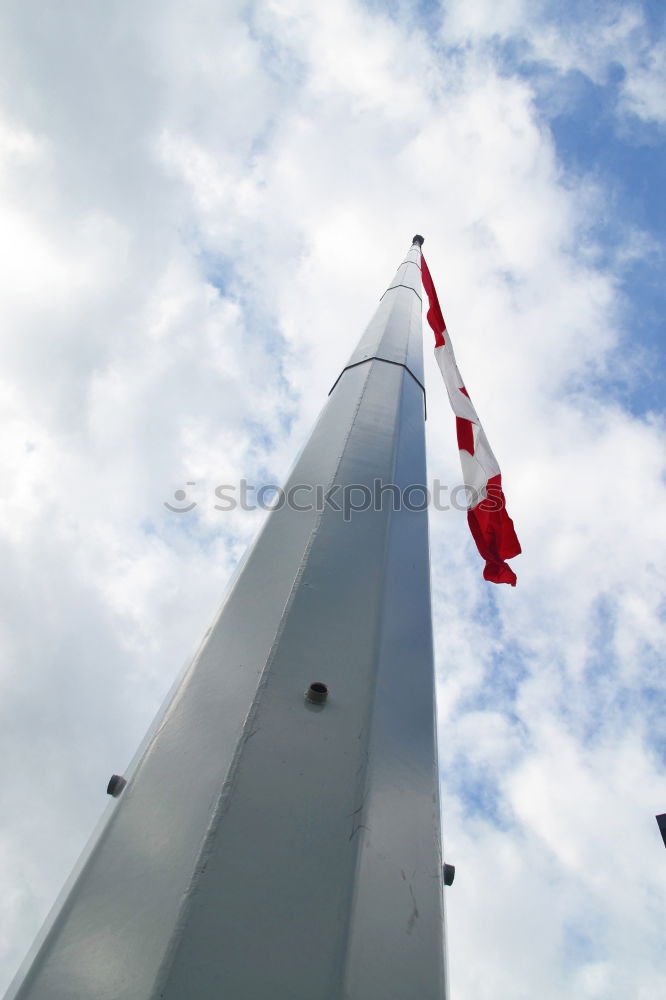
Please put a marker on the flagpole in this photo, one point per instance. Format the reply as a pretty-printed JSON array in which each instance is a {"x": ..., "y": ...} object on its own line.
[{"x": 280, "y": 834}]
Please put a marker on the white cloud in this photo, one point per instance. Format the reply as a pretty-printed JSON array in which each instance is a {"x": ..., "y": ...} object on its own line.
[
  {"x": 645, "y": 85},
  {"x": 621, "y": 35},
  {"x": 200, "y": 211}
]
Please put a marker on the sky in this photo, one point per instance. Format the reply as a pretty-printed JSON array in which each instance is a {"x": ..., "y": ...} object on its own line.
[{"x": 200, "y": 206}]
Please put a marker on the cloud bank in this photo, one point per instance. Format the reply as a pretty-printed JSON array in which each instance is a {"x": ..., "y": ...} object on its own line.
[{"x": 199, "y": 212}]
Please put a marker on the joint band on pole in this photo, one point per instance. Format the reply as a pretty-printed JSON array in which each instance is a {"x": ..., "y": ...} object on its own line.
[
  {"x": 411, "y": 287},
  {"x": 388, "y": 362}
]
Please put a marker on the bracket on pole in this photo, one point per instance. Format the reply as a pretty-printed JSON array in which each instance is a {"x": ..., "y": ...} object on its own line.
[{"x": 661, "y": 822}]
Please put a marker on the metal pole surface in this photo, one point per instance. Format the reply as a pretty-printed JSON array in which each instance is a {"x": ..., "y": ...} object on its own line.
[{"x": 268, "y": 845}]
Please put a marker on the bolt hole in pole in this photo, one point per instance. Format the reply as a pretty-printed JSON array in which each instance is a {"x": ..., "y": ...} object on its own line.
[{"x": 317, "y": 693}]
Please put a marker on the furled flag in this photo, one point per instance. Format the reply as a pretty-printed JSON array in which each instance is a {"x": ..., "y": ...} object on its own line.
[{"x": 489, "y": 522}]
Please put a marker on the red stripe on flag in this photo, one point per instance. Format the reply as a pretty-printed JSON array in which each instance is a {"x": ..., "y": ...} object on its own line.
[
  {"x": 461, "y": 388},
  {"x": 434, "y": 314},
  {"x": 465, "y": 432},
  {"x": 494, "y": 533}
]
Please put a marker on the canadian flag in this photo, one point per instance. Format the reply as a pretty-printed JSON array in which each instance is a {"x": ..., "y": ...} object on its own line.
[{"x": 489, "y": 522}]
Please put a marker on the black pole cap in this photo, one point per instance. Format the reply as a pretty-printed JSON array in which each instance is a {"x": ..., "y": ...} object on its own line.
[{"x": 418, "y": 240}]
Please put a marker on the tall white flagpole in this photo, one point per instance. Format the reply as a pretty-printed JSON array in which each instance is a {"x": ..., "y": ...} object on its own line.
[{"x": 279, "y": 835}]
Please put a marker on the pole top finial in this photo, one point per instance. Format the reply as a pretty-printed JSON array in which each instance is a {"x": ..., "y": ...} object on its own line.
[{"x": 418, "y": 240}]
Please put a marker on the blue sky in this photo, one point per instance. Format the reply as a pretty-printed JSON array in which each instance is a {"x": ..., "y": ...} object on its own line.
[
  {"x": 200, "y": 209},
  {"x": 628, "y": 159}
]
